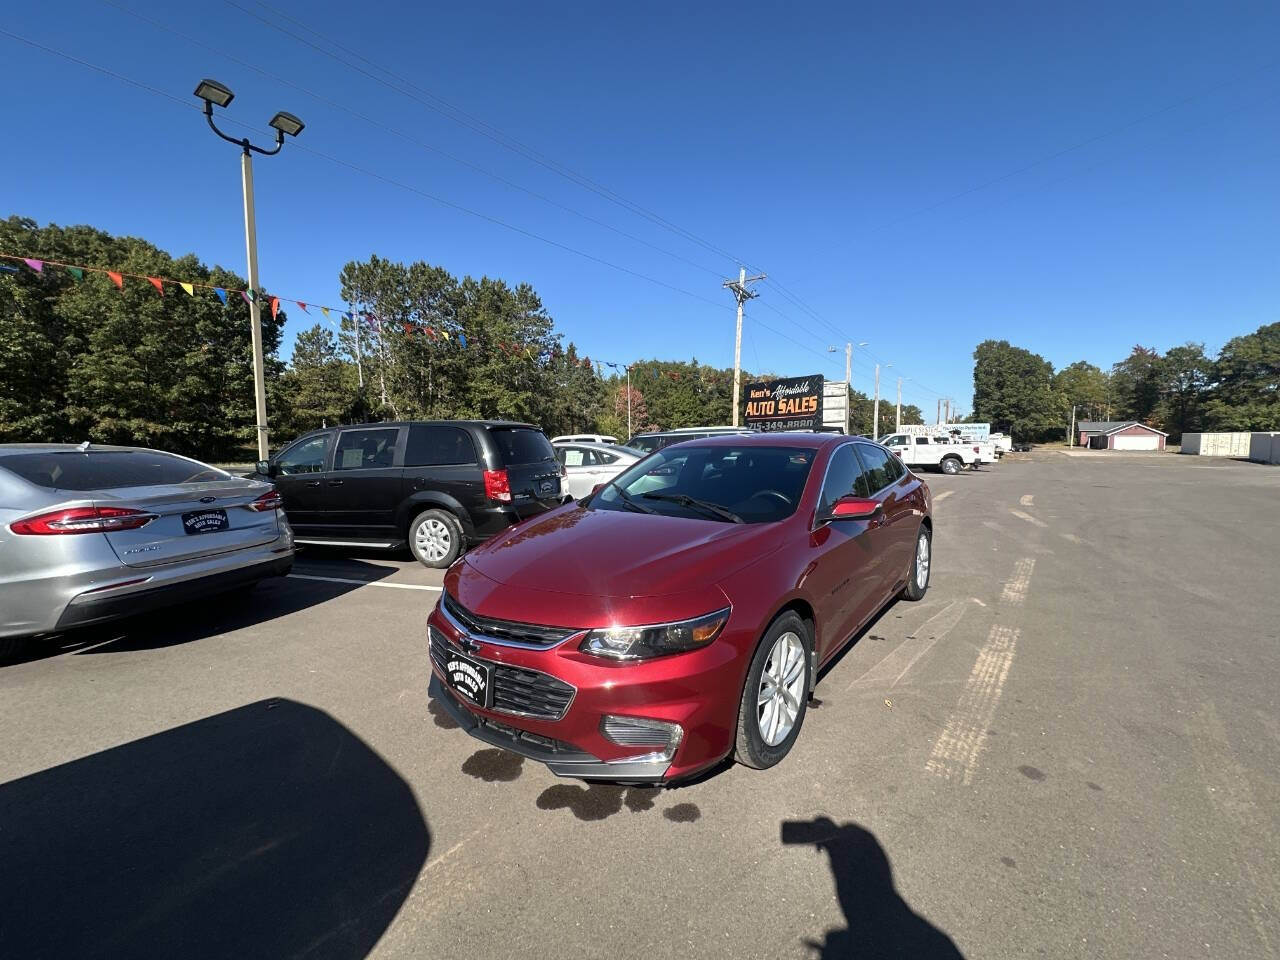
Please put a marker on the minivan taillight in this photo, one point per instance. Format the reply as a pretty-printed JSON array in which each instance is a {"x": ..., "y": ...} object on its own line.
[
  {"x": 271, "y": 500},
  {"x": 497, "y": 485},
  {"x": 82, "y": 520}
]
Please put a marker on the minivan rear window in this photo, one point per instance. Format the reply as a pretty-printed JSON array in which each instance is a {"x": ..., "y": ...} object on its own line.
[
  {"x": 107, "y": 469},
  {"x": 522, "y": 445}
]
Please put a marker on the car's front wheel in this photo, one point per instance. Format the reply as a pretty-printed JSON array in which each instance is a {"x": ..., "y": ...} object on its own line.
[
  {"x": 951, "y": 465},
  {"x": 435, "y": 537},
  {"x": 776, "y": 693},
  {"x": 921, "y": 566}
]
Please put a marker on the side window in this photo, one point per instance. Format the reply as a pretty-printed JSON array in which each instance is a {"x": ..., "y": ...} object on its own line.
[
  {"x": 896, "y": 469},
  {"x": 366, "y": 449},
  {"x": 875, "y": 461},
  {"x": 437, "y": 446},
  {"x": 572, "y": 456},
  {"x": 605, "y": 457},
  {"x": 304, "y": 457},
  {"x": 589, "y": 458},
  {"x": 920, "y": 440},
  {"x": 844, "y": 479}
]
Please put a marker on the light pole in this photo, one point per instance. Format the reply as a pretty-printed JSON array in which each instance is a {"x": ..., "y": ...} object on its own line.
[
  {"x": 875, "y": 414},
  {"x": 215, "y": 94},
  {"x": 742, "y": 295}
]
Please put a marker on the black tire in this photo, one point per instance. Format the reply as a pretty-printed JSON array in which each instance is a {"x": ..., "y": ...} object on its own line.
[
  {"x": 913, "y": 590},
  {"x": 751, "y": 748},
  {"x": 951, "y": 466},
  {"x": 435, "y": 538}
]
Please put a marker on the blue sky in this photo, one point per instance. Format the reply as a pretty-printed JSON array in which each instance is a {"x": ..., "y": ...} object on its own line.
[{"x": 1076, "y": 178}]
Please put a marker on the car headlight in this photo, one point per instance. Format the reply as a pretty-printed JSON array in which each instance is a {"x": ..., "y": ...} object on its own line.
[{"x": 658, "y": 640}]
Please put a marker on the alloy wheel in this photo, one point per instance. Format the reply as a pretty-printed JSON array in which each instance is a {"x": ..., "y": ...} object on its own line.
[
  {"x": 781, "y": 688},
  {"x": 922, "y": 560},
  {"x": 433, "y": 540}
]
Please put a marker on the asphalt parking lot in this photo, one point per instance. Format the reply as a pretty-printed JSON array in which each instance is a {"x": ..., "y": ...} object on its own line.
[{"x": 1070, "y": 748}]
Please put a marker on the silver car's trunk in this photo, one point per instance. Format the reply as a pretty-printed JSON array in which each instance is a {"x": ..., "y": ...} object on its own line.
[{"x": 168, "y": 540}]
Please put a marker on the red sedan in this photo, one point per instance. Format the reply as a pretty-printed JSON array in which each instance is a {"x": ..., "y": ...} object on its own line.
[{"x": 680, "y": 613}]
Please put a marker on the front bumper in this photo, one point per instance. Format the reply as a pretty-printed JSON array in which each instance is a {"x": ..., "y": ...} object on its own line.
[
  {"x": 697, "y": 692},
  {"x": 561, "y": 759}
]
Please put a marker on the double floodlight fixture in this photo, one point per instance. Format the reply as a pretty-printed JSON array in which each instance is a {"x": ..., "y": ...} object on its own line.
[{"x": 215, "y": 94}]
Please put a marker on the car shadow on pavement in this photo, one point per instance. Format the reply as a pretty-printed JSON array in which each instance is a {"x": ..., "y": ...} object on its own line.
[
  {"x": 270, "y": 830},
  {"x": 878, "y": 921},
  {"x": 196, "y": 619}
]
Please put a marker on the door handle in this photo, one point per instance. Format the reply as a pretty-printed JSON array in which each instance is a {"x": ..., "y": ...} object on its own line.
[
  {"x": 335, "y": 483},
  {"x": 313, "y": 483}
]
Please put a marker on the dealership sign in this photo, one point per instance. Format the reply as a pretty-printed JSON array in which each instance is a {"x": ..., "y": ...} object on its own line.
[{"x": 794, "y": 403}]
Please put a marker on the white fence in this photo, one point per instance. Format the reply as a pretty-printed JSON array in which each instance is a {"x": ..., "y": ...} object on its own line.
[{"x": 1261, "y": 447}]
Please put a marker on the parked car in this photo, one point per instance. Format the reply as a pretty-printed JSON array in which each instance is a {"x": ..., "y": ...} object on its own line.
[
  {"x": 656, "y": 440},
  {"x": 680, "y": 614},
  {"x": 436, "y": 487},
  {"x": 588, "y": 464},
  {"x": 91, "y": 533},
  {"x": 937, "y": 451},
  {"x": 585, "y": 438}
]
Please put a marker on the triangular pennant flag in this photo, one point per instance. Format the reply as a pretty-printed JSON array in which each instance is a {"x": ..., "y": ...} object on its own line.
[
  {"x": 275, "y": 307},
  {"x": 462, "y": 339},
  {"x": 303, "y": 307},
  {"x": 250, "y": 296},
  {"x": 76, "y": 272},
  {"x": 408, "y": 327},
  {"x": 445, "y": 334},
  {"x": 245, "y": 296},
  {"x": 36, "y": 265},
  {"x": 158, "y": 284},
  {"x": 8, "y": 268},
  {"x": 346, "y": 316},
  {"x": 116, "y": 278},
  {"x": 222, "y": 294},
  {"x": 189, "y": 288},
  {"x": 324, "y": 310}
]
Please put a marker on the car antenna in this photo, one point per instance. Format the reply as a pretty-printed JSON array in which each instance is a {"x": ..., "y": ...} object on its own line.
[{"x": 84, "y": 447}]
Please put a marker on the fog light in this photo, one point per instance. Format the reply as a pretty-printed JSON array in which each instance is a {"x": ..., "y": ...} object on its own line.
[{"x": 658, "y": 735}]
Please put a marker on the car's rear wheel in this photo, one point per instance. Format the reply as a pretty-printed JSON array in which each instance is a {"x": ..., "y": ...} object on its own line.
[
  {"x": 435, "y": 537},
  {"x": 951, "y": 465},
  {"x": 921, "y": 567},
  {"x": 776, "y": 694}
]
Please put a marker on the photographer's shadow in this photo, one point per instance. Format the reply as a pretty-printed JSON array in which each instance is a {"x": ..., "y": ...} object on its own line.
[{"x": 878, "y": 921}]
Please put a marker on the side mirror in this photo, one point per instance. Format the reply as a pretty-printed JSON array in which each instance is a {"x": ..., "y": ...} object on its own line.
[
  {"x": 854, "y": 508},
  {"x": 264, "y": 467},
  {"x": 596, "y": 489}
]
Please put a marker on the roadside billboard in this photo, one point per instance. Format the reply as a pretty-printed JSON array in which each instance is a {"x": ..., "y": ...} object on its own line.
[{"x": 790, "y": 403}]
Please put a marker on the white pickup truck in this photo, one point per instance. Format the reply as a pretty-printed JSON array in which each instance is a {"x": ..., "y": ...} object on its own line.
[{"x": 939, "y": 452}]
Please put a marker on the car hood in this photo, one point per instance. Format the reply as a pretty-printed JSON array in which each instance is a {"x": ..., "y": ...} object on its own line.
[{"x": 611, "y": 553}]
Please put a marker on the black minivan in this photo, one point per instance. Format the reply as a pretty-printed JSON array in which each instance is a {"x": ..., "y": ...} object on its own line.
[{"x": 435, "y": 486}]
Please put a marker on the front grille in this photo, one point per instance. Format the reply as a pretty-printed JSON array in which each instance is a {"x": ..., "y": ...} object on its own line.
[
  {"x": 504, "y": 630},
  {"x": 517, "y": 691}
]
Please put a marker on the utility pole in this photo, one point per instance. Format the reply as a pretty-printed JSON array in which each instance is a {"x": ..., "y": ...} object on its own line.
[
  {"x": 1071, "y": 438},
  {"x": 875, "y": 409},
  {"x": 742, "y": 295},
  {"x": 849, "y": 383},
  {"x": 629, "y": 432},
  {"x": 937, "y": 417},
  {"x": 898, "y": 428}
]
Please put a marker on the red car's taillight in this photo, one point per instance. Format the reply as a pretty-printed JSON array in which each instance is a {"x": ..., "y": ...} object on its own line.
[
  {"x": 271, "y": 500},
  {"x": 82, "y": 520},
  {"x": 497, "y": 485}
]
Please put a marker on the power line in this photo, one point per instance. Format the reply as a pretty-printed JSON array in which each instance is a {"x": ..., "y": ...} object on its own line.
[{"x": 407, "y": 137}]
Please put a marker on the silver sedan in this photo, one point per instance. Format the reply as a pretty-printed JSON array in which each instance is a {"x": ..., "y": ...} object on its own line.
[
  {"x": 91, "y": 533},
  {"x": 588, "y": 464}
]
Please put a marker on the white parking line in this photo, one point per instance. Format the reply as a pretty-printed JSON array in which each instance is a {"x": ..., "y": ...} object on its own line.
[
  {"x": 955, "y": 752},
  {"x": 1015, "y": 590},
  {"x": 1027, "y": 517},
  {"x": 365, "y": 583},
  {"x": 1026, "y": 499},
  {"x": 895, "y": 665},
  {"x": 943, "y": 495}
]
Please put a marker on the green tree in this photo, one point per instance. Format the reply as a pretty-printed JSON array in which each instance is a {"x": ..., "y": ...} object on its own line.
[
  {"x": 1013, "y": 391},
  {"x": 81, "y": 359},
  {"x": 1247, "y": 394},
  {"x": 1085, "y": 387},
  {"x": 319, "y": 388},
  {"x": 1137, "y": 384},
  {"x": 1187, "y": 375}
]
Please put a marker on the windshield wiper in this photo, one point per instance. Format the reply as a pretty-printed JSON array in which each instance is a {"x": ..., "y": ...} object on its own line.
[
  {"x": 629, "y": 500},
  {"x": 705, "y": 505}
]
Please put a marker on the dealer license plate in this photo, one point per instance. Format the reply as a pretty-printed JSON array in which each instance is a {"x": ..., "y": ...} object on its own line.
[
  {"x": 205, "y": 521},
  {"x": 469, "y": 678}
]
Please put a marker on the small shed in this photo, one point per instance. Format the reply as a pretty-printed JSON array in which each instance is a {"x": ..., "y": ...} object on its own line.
[{"x": 1120, "y": 435}]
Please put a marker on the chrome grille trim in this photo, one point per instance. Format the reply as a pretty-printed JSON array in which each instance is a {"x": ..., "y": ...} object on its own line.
[{"x": 505, "y": 633}]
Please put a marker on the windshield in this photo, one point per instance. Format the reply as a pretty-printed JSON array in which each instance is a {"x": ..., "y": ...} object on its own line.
[
  {"x": 718, "y": 484},
  {"x": 522, "y": 445},
  {"x": 108, "y": 469},
  {"x": 645, "y": 444}
]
